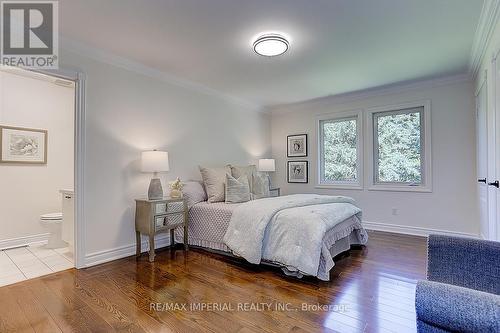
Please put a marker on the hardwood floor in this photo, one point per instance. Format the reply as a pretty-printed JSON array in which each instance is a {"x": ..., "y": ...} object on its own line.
[{"x": 372, "y": 290}]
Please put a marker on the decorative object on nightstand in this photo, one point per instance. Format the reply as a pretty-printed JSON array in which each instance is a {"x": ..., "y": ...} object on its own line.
[
  {"x": 155, "y": 161},
  {"x": 267, "y": 165},
  {"x": 157, "y": 216},
  {"x": 176, "y": 188}
]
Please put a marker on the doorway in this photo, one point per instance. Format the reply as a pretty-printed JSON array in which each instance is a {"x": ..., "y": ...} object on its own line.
[{"x": 53, "y": 160}]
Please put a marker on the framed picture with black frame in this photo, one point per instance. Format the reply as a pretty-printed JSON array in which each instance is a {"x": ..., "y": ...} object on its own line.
[
  {"x": 296, "y": 145},
  {"x": 297, "y": 171}
]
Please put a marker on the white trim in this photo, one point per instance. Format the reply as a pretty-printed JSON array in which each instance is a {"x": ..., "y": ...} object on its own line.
[
  {"x": 339, "y": 186},
  {"x": 80, "y": 157},
  {"x": 415, "y": 231},
  {"x": 104, "y": 256},
  {"x": 489, "y": 17},
  {"x": 427, "y": 186},
  {"x": 481, "y": 83},
  {"x": 24, "y": 241},
  {"x": 390, "y": 89},
  {"x": 137, "y": 67},
  {"x": 358, "y": 114},
  {"x": 400, "y": 188}
]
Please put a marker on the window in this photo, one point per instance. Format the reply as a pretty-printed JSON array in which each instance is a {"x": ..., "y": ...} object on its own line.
[
  {"x": 339, "y": 150},
  {"x": 398, "y": 146},
  {"x": 401, "y": 147}
]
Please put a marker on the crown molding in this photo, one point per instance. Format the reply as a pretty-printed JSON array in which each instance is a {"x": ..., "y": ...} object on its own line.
[
  {"x": 389, "y": 89},
  {"x": 490, "y": 14},
  {"x": 139, "y": 68}
]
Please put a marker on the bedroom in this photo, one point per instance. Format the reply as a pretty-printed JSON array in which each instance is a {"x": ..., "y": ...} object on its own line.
[{"x": 184, "y": 77}]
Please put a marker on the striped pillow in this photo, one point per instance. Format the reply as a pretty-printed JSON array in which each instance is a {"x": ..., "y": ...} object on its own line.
[{"x": 237, "y": 190}]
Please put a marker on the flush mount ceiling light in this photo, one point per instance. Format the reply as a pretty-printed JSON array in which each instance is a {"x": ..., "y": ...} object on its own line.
[{"x": 270, "y": 45}]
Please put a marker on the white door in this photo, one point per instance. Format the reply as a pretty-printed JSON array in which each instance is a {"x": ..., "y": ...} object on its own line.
[
  {"x": 482, "y": 157},
  {"x": 494, "y": 191}
]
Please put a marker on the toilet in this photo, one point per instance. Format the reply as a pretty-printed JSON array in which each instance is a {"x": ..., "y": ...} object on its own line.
[{"x": 53, "y": 224}]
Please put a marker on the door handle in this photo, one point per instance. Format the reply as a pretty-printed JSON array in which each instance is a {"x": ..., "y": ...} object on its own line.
[
  {"x": 495, "y": 183},
  {"x": 482, "y": 180}
]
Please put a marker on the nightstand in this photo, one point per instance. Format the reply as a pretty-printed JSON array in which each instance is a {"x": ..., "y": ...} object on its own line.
[
  {"x": 274, "y": 192},
  {"x": 157, "y": 216}
]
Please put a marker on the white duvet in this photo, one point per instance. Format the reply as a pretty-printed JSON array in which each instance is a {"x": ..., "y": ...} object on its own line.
[{"x": 289, "y": 230}]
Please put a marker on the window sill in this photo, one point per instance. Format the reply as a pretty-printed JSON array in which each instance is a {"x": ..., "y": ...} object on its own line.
[
  {"x": 339, "y": 187},
  {"x": 422, "y": 189}
]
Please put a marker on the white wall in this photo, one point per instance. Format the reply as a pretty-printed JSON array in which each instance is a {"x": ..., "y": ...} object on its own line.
[
  {"x": 27, "y": 191},
  {"x": 127, "y": 113},
  {"x": 452, "y": 206}
]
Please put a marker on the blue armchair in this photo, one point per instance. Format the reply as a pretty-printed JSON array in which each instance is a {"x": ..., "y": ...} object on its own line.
[{"x": 462, "y": 291}]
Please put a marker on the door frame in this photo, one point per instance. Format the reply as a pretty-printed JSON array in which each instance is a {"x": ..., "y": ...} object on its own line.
[
  {"x": 495, "y": 227},
  {"x": 483, "y": 85},
  {"x": 79, "y": 78}
]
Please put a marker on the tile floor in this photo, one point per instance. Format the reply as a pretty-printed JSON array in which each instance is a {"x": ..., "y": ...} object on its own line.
[{"x": 32, "y": 261}]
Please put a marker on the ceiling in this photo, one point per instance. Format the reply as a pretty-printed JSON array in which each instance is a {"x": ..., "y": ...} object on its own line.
[{"x": 336, "y": 46}]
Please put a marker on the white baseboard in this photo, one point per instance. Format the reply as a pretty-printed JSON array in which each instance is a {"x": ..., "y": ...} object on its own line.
[
  {"x": 102, "y": 257},
  {"x": 415, "y": 231},
  {"x": 24, "y": 241}
]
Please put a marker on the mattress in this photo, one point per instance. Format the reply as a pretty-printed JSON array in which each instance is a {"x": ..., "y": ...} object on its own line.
[{"x": 208, "y": 223}]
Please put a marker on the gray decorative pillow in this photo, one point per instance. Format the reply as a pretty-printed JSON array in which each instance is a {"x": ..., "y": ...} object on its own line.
[
  {"x": 249, "y": 170},
  {"x": 260, "y": 185},
  {"x": 214, "y": 179},
  {"x": 237, "y": 190},
  {"x": 193, "y": 192}
]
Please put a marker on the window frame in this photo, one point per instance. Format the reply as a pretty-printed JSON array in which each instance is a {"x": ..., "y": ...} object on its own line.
[
  {"x": 336, "y": 117},
  {"x": 426, "y": 147}
]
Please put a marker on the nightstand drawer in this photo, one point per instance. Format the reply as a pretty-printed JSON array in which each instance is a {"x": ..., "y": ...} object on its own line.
[
  {"x": 169, "y": 221},
  {"x": 169, "y": 207}
]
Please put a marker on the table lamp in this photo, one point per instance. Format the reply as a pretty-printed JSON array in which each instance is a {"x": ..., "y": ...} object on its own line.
[{"x": 154, "y": 161}]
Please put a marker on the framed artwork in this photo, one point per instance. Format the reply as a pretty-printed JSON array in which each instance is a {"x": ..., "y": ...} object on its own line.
[
  {"x": 296, "y": 145},
  {"x": 23, "y": 145},
  {"x": 297, "y": 171}
]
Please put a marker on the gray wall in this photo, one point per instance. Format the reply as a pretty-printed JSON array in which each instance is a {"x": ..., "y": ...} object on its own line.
[{"x": 452, "y": 206}]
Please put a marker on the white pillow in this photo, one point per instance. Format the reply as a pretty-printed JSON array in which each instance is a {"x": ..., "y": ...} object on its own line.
[
  {"x": 238, "y": 171},
  {"x": 260, "y": 185},
  {"x": 214, "y": 179},
  {"x": 193, "y": 192},
  {"x": 237, "y": 190}
]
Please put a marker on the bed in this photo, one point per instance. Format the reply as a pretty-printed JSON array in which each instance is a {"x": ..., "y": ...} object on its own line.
[{"x": 209, "y": 224}]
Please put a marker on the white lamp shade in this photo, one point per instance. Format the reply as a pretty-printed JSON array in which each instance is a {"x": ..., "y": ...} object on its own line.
[
  {"x": 154, "y": 161},
  {"x": 267, "y": 165}
]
